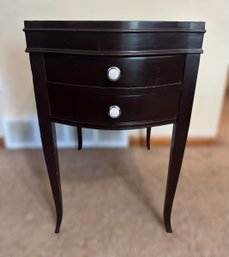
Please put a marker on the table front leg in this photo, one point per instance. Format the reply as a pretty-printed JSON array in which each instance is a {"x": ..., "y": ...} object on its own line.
[
  {"x": 180, "y": 133},
  {"x": 47, "y": 131},
  {"x": 179, "y": 139}
]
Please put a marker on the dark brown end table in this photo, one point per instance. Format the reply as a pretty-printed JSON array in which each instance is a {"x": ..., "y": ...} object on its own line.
[{"x": 114, "y": 75}]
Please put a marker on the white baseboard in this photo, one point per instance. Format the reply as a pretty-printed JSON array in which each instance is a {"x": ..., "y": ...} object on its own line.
[{"x": 24, "y": 133}]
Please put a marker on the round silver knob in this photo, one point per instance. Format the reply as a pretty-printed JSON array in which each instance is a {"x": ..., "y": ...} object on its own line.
[
  {"x": 113, "y": 73},
  {"x": 114, "y": 111}
]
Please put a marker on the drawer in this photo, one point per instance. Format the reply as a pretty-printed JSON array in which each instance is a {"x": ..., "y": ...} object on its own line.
[
  {"x": 92, "y": 106},
  {"x": 134, "y": 71}
]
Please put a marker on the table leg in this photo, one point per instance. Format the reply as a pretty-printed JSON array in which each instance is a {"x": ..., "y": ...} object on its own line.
[
  {"x": 48, "y": 136},
  {"x": 148, "y": 133},
  {"x": 180, "y": 133},
  {"x": 79, "y": 135},
  {"x": 175, "y": 162},
  {"x": 47, "y": 131}
]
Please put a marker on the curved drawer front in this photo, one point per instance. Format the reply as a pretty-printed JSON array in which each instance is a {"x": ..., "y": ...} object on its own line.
[
  {"x": 135, "y": 71},
  {"x": 90, "y": 106}
]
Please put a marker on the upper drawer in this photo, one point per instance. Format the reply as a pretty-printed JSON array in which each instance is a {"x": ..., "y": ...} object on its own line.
[{"x": 134, "y": 71}]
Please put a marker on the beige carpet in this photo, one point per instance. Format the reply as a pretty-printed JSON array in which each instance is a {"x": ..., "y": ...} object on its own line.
[{"x": 113, "y": 202}]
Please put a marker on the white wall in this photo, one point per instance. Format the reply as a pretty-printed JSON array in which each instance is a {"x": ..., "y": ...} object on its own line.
[{"x": 15, "y": 76}]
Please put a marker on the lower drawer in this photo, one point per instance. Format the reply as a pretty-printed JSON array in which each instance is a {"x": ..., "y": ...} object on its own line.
[{"x": 90, "y": 107}]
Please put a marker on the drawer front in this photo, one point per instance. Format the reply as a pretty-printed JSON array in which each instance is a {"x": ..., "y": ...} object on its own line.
[
  {"x": 134, "y": 71},
  {"x": 90, "y": 107}
]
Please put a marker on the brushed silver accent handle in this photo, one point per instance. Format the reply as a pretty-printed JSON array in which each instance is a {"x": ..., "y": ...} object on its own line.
[
  {"x": 113, "y": 73},
  {"x": 114, "y": 111}
]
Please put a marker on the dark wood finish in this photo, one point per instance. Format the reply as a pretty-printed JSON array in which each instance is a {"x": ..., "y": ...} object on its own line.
[
  {"x": 47, "y": 130},
  {"x": 114, "y": 38},
  {"x": 114, "y": 126},
  {"x": 158, "y": 62},
  {"x": 135, "y": 71},
  {"x": 148, "y": 133},
  {"x": 89, "y": 106},
  {"x": 116, "y": 26},
  {"x": 180, "y": 133},
  {"x": 79, "y": 136}
]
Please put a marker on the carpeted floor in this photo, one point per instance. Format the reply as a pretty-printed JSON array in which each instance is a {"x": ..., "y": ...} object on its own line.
[{"x": 113, "y": 202}]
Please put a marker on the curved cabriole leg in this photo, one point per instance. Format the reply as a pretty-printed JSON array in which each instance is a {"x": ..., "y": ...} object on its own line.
[
  {"x": 175, "y": 162},
  {"x": 79, "y": 135},
  {"x": 180, "y": 133},
  {"x": 148, "y": 133},
  {"x": 48, "y": 136},
  {"x": 47, "y": 131}
]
